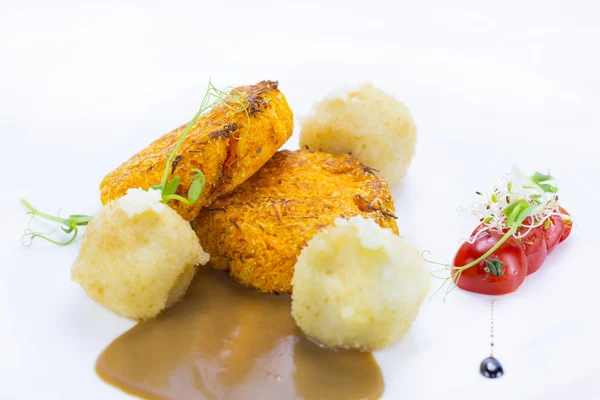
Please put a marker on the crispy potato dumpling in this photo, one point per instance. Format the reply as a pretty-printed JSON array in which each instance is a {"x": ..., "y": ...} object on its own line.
[
  {"x": 137, "y": 256},
  {"x": 358, "y": 286},
  {"x": 372, "y": 125},
  {"x": 220, "y": 144},
  {"x": 257, "y": 231}
]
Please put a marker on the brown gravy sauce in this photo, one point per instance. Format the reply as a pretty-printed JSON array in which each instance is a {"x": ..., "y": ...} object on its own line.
[{"x": 224, "y": 341}]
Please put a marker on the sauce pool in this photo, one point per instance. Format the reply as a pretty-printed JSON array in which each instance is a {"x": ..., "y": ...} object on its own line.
[{"x": 224, "y": 341}]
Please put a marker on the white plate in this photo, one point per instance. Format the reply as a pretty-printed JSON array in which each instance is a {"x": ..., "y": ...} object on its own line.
[{"x": 84, "y": 87}]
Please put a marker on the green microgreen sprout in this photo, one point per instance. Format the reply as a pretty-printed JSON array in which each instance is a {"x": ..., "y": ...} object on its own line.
[
  {"x": 232, "y": 98},
  {"x": 229, "y": 97},
  {"x": 541, "y": 180},
  {"x": 547, "y": 223},
  {"x": 68, "y": 225},
  {"x": 528, "y": 207}
]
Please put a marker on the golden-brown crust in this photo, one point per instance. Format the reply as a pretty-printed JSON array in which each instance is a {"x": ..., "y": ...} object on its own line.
[
  {"x": 220, "y": 144},
  {"x": 257, "y": 231}
]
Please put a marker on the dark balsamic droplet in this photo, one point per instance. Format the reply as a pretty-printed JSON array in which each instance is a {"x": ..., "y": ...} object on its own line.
[{"x": 491, "y": 368}]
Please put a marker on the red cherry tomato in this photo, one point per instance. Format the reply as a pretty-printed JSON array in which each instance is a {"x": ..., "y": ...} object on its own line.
[
  {"x": 568, "y": 225},
  {"x": 534, "y": 245},
  {"x": 554, "y": 232},
  {"x": 480, "y": 227},
  {"x": 476, "y": 279}
]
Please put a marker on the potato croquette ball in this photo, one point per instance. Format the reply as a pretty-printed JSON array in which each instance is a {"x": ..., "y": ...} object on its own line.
[
  {"x": 372, "y": 125},
  {"x": 137, "y": 256},
  {"x": 357, "y": 285}
]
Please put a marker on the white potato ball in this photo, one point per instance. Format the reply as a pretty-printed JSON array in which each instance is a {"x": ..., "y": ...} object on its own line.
[
  {"x": 367, "y": 122},
  {"x": 137, "y": 256},
  {"x": 357, "y": 285}
]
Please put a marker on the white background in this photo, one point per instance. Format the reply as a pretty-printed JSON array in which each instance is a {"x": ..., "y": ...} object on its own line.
[{"x": 490, "y": 84}]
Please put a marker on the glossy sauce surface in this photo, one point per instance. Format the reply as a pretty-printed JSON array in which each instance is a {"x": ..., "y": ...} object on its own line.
[{"x": 224, "y": 341}]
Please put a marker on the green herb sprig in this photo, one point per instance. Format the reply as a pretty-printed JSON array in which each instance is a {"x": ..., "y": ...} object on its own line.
[
  {"x": 213, "y": 96},
  {"x": 229, "y": 97},
  {"x": 67, "y": 225}
]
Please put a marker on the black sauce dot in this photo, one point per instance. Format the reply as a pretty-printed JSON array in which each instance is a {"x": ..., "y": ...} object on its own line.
[{"x": 491, "y": 368}]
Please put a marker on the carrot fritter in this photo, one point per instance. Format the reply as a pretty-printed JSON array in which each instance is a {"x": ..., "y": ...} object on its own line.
[
  {"x": 257, "y": 231},
  {"x": 220, "y": 144}
]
